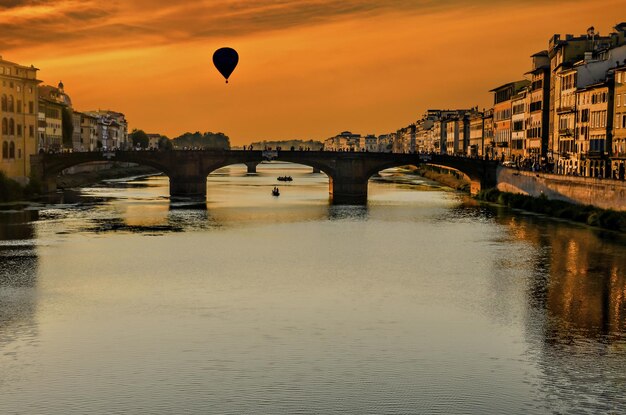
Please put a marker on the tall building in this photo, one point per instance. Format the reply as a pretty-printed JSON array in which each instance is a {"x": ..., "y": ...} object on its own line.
[
  {"x": 538, "y": 111},
  {"x": 519, "y": 107},
  {"x": 502, "y": 116},
  {"x": 618, "y": 156},
  {"x": 563, "y": 54},
  {"x": 88, "y": 131},
  {"x": 18, "y": 114},
  {"x": 476, "y": 145},
  {"x": 594, "y": 116},
  {"x": 53, "y": 102}
]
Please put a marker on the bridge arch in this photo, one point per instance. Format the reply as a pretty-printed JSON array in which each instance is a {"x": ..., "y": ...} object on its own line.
[{"x": 47, "y": 167}]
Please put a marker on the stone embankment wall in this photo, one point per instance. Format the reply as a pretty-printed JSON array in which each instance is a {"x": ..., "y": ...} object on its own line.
[{"x": 602, "y": 193}]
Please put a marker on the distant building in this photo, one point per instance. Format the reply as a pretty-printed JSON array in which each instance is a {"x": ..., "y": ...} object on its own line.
[
  {"x": 153, "y": 141},
  {"x": 346, "y": 141},
  {"x": 88, "y": 131},
  {"x": 53, "y": 101},
  {"x": 371, "y": 143},
  {"x": 476, "y": 145},
  {"x": 18, "y": 115},
  {"x": 111, "y": 129}
]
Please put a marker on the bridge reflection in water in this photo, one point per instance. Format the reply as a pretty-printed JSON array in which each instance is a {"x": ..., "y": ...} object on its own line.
[{"x": 187, "y": 170}]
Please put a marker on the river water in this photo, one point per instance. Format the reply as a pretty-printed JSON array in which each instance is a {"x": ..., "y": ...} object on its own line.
[{"x": 119, "y": 302}]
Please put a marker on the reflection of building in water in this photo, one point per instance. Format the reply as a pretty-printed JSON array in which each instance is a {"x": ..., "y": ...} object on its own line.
[
  {"x": 576, "y": 314},
  {"x": 580, "y": 278},
  {"x": 18, "y": 278}
]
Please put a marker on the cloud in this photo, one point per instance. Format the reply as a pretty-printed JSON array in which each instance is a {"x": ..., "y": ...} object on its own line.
[{"x": 84, "y": 24}]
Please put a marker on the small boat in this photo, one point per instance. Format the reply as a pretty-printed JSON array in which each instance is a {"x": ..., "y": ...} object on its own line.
[
  {"x": 275, "y": 192},
  {"x": 284, "y": 179}
]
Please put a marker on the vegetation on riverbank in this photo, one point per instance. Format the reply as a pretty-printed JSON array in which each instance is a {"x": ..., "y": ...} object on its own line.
[
  {"x": 12, "y": 191},
  {"x": 447, "y": 177},
  {"x": 590, "y": 215}
]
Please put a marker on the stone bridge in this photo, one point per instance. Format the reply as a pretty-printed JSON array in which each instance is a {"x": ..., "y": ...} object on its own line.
[{"x": 348, "y": 172}]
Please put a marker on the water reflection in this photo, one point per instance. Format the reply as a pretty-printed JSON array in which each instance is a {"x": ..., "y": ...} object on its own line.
[
  {"x": 576, "y": 317},
  {"x": 18, "y": 279},
  {"x": 579, "y": 278},
  {"x": 354, "y": 213}
]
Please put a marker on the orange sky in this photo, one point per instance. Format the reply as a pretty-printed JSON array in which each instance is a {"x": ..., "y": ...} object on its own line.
[{"x": 308, "y": 69}]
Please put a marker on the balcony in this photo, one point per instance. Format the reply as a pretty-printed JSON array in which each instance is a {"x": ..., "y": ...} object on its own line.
[{"x": 565, "y": 109}]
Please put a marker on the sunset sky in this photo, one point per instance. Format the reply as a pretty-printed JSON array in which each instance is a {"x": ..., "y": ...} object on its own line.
[{"x": 308, "y": 68}]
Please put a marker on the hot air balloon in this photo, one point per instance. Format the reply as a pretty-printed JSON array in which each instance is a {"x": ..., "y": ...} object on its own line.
[{"x": 225, "y": 60}]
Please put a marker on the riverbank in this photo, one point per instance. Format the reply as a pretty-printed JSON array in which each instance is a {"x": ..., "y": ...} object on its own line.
[
  {"x": 11, "y": 191},
  {"x": 587, "y": 214},
  {"x": 449, "y": 178},
  {"x": 69, "y": 181}
]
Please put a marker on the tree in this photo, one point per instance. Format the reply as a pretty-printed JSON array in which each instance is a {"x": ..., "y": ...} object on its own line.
[
  {"x": 67, "y": 124},
  {"x": 139, "y": 138},
  {"x": 165, "y": 143},
  {"x": 206, "y": 140}
]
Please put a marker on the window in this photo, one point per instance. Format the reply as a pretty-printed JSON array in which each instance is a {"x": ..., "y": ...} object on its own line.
[
  {"x": 4, "y": 102},
  {"x": 19, "y": 106},
  {"x": 11, "y": 106},
  {"x": 11, "y": 127},
  {"x": 19, "y": 130},
  {"x": 584, "y": 115},
  {"x": 619, "y": 100},
  {"x": 31, "y": 131},
  {"x": 5, "y": 126},
  {"x": 5, "y": 150},
  {"x": 19, "y": 88},
  {"x": 12, "y": 150},
  {"x": 19, "y": 153},
  {"x": 31, "y": 107}
]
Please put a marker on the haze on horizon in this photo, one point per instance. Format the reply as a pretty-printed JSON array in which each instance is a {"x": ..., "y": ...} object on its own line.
[{"x": 308, "y": 69}]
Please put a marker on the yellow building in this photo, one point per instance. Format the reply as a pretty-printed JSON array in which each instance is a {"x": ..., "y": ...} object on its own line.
[
  {"x": 18, "y": 115},
  {"x": 502, "y": 116},
  {"x": 618, "y": 156}
]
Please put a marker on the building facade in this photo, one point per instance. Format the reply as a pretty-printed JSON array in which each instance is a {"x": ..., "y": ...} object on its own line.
[
  {"x": 18, "y": 115},
  {"x": 502, "y": 116},
  {"x": 618, "y": 156}
]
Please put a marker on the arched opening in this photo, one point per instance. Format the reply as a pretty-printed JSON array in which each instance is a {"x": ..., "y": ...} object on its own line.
[
  {"x": 393, "y": 179},
  {"x": 5, "y": 150},
  {"x": 12, "y": 150},
  {"x": 233, "y": 184},
  {"x": 5, "y": 126},
  {"x": 83, "y": 169},
  {"x": 11, "y": 106},
  {"x": 11, "y": 127},
  {"x": 4, "y": 102}
]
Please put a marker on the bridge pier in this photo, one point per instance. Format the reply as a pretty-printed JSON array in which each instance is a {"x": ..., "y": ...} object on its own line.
[
  {"x": 48, "y": 185},
  {"x": 188, "y": 187},
  {"x": 348, "y": 191},
  {"x": 252, "y": 167}
]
